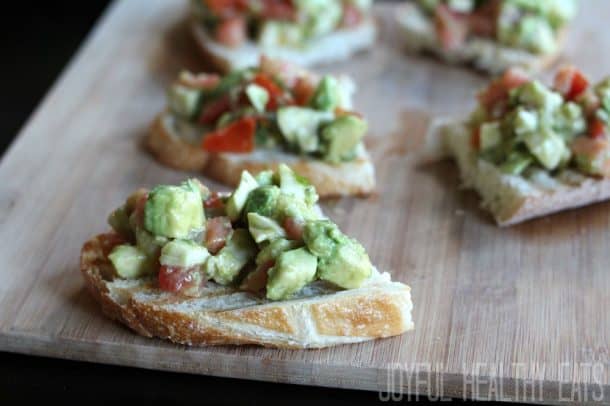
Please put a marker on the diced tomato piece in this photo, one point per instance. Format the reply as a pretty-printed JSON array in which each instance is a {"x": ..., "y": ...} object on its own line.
[
  {"x": 570, "y": 82},
  {"x": 595, "y": 150},
  {"x": 179, "y": 280},
  {"x": 475, "y": 139},
  {"x": 212, "y": 110},
  {"x": 217, "y": 231},
  {"x": 597, "y": 128},
  {"x": 236, "y": 137},
  {"x": 499, "y": 89},
  {"x": 231, "y": 32},
  {"x": 214, "y": 201},
  {"x": 303, "y": 91},
  {"x": 203, "y": 81},
  {"x": 294, "y": 228},
  {"x": 274, "y": 90},
  {"x": 278, "y": 10},
  {"x": 451, "y": 28},
  {"x": 352, "y": 16},
  {"x": 226, "y": 8},
  {"x": 257, "y": 280}
]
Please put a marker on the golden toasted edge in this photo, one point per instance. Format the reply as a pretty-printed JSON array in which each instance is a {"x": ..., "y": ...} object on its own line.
[
  {"x": 342, "y": 318},
  {"x": 355, "y": 178}
]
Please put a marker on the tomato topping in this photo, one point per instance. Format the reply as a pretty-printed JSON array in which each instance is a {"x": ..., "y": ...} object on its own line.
[
  {"x": 499, "y": 89},
  {"x": 303, "y": 91},
  {"x": 213, "y": 110},
  {"x": 231, "y": 32},
  {"x": 275, "y": 91},
  {"x": 475, "y": 139},
  {"x": 236, "y": 137},
  {"x": 597, "y": 128},
  {"x": 214, "y": 201},
  {"x": 351, "y": 16},
  {"x": 594, "y": 149},
  {"x": 178, "y": 280},
  {"x": 217, "y": 231},
  {"x": 570, "y": 82},
  {"x": 451, "y": 27},
  {"x": 278, "y": 10},
  {"x": 226, "y": 8},
  {"x": 294, "y": 228},
  {"x": 257, "y": 280}
]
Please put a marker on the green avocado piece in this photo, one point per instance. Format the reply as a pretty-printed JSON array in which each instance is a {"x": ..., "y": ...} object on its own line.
[
  {"x": 238, "y": 198},
  {"x": 547, "y": 146},
  {"x": 491, "y": 135},
  {"x": 273, "y": 250},
  {"x": 184, "y": 101},
  {"x": 326, "y": 97},
  {"x": 341, "y": 260},
  {"x": 292, "y": 271},
  {"x": 148, "y": 243},
  {"x": 264, "y": 178},
  {"x": 299, "y": 126},
  {"x": 174, "y": 211},
  {"x": 535, "y": 94},
  {"x": 292, "y": 206},
  {"x": 293, "y": 184},
  {"x": 183, "y": 253},
  {"x": 516, "y": 163},
  {"x": 341, "y": 137},
  {"x": 119, "y": 221},
  {"x": 264, "y": 228},
  {"x": 225, "y": 266},
  {"x": 129, "y": 262},
  {"x": 263, "y": 201},
  {"x": 258, "y": 97}
]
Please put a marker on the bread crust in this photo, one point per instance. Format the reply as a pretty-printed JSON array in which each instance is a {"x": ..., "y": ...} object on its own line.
[
  {"x": 483, "y": 54},
  {"x": 226, "y": 316},
  {"x": 355, "y": 178},
  {"x": 333, "y": 47},
  {"x": 522, "y": 199}
]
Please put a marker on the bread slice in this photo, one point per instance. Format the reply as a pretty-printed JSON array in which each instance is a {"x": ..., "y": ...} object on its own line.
[
  {"x": 334, "y": 47},
  {"x": 182, "y": 151},
  {"x": 513, "y": 199},
  {"x": 320, "y": 316},
  {"x": 483, "y": 53}
]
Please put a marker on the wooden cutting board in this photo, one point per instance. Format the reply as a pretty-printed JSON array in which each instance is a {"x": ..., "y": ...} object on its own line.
[{"x": 497, "y": 311}]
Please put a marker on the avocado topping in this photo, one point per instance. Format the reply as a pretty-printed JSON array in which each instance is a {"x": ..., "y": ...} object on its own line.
[
  {"x": 274, "y": 106},
  {"x": 268, "y": 237},
  {"x": 523, "y": 126}
]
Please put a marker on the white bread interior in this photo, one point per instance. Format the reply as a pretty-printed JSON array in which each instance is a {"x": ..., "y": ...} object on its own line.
[
  {"x": 334, "y": 47},
  {"x": 319, "y": 316}
]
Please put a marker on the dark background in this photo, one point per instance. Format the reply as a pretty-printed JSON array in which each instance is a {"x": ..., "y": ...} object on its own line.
[{"x": 37, "y": 41}]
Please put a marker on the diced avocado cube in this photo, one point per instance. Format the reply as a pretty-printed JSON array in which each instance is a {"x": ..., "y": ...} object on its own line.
[
  {"x": 341, "y": 137},
  {"x": 119, "y": 221},
  {"x": 461, "y": 6},
  {"x": 546, "y": 146},
  {"x": 264, "y": 178},
  {"x": 225, "y": 266},
  {"x": 148, "y": 243},
  {"x": 264, "y": 228},
  {"x": 292, "y": 271},
  {"x": 321, "y": 16},
  {"x": 129, "y": 262},
  {"x": 293, "y": 184},
  {"x": 258, "y": 96},
  {"x": 263, "y": 201},
  {"x": 516, "y": 163},
  {"x": 183, "y": 253},
  {"x": 531, "y": 32},
  {"x": 536, "y": 95},
  {"x": 570, "y": 120},
  {"x": 183, "y": 101},
  {"x": 273, "y": 250},
  {"x": 326, "y": 96},
  {"x": 602, "y": 90},
  {"x": 299, "y": 126},
  {"x": 491, "y": 135},
  {"x": 274, "y": 33},
  {"x": 174, "y": 211},
  {"x": 341, "y": 260},
  {"x": 238, "y": 198},
  {"x": 525, "y": 122},
  {"x": 560, "y": 12},
  {"x": 291, "y": 206}
]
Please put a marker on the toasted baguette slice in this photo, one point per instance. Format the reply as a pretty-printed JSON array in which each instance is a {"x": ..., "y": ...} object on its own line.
[
  {"x": 320, "y": 316},
  {"x": 513, "y": 199},
  {"x": 179, "y": 151},
  {"x": 334, "y": 47},
  {"x": 484, "y": 54}
]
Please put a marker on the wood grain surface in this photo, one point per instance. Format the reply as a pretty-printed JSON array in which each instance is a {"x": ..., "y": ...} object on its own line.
[{"x": 511, "y": 314}]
